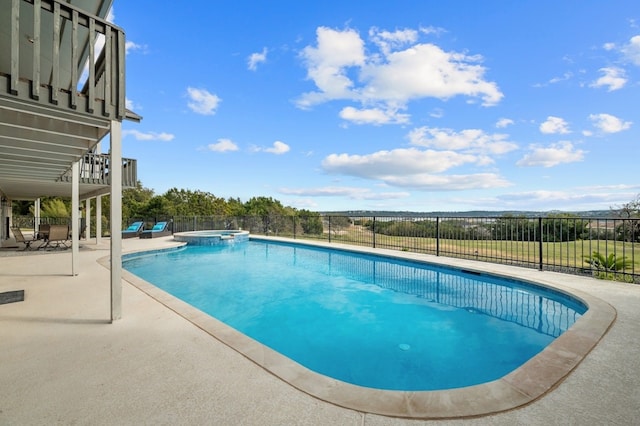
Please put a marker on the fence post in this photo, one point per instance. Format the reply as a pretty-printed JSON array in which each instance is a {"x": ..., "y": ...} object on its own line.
[
  {"x": 540, "y": 243},
  {"x": 437, "y": 236},
  {"x": 329, "y": 228},
  {"x": 374, "y": 232}
]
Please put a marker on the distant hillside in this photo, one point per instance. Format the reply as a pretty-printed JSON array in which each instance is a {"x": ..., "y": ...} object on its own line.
[{"x": 473, "y": 213}]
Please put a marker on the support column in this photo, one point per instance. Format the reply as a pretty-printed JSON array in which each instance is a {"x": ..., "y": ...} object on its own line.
[
  {"x": 98, "y": 219},
  {"x": 98, "y": 206},
  {"x": 116, "y": 220},
  {"x": 87, "y": 223},
  {"x": 5, "y": 215},
  {"x": 75, "y": 216},
  {"x": 36, "y": 215}
]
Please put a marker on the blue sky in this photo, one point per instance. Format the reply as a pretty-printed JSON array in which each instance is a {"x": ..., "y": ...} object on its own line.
[{"x": 379, "y": 105}]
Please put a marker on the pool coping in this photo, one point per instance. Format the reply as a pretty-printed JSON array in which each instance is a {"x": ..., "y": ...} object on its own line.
[{"x": 531, "y": 381}]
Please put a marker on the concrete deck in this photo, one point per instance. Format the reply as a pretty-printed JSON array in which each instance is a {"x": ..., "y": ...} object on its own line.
[{"x": 61, "y": 362}]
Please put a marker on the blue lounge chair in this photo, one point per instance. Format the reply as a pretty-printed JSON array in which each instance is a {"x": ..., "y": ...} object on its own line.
[
  {"x": 160, "y": 229},
  {"x": 133, "y": 230}
]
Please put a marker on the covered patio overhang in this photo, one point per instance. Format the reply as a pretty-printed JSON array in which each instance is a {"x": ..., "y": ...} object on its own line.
[{"x": 62, "y": 92}]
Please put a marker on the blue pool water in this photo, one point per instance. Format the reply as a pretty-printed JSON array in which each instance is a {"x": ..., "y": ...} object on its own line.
[{"x": 363, "y": 319}]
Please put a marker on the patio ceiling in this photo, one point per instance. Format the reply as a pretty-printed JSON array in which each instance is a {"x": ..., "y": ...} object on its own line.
[{"x": 38, "y": 145}]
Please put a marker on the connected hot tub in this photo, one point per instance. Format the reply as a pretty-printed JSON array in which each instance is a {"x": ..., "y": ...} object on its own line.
[{"x": 212, "y": 237}]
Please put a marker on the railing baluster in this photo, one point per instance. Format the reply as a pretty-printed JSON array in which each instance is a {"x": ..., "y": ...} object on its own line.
[
  {"x": 55, "y": 55},
  {"x": 437, "y": 236},
  {"x": 107, "y": 72},
  {"x": 119, "y": 77},
  {"x": 35, "y": 84},
  {"x": 374, "y": 232},
  {"x": 540, "y": 244},
  {"x": 74, "y": 60},
  {"x": 91, "y": 84},
  {"x": 15, "y": 46}
]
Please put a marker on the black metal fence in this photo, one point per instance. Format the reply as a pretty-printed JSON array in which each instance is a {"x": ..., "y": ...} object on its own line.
[{"x": 604, "y": 247}]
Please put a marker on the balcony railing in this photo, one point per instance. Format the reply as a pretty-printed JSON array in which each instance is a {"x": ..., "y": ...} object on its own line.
[
  {"x": 52, "y": 58},
  {"x": 95, "y": 169}
]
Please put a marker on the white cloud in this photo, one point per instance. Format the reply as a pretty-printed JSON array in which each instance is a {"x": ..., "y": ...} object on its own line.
[
  {"x": 469, "y": 140},
  {"x": 413, "y": 168},
  {"x": 572, "y": 199},
  {"x": 130, "y": 46},
  {"x": 223, "y": 145},
  {"x": 257, "y": 58},
  {"x": 395, "y": 162},
  {"x": 613, "y": 79},
  {"x": 429, "y": 182},
  {"x": 327, "y": 64},
  {"x": 632, "y": 189},
  {"x": 631, "y": 50},
  {"x": 569, "y": 199},
  {"x": 202, "y": 102},
  {"x": 566, "y": 76},
  {"x": 375, "y": 116},
  {"x": 388, "y": 41},
  {"x": 278, "y": 148},
  {"x": 504, "y": 122},
  {"x": 437, "y": 113},
  {"x": 149, "y": 136},
  {"x": 553, "y": 155},
  {"x": 554, "y": 125},
  {"x": 425, "y": 70},
  {"x": 343, "y": 69},
  {"x": 131, "y": 105},
  {"x": 353, "y": 193},
  {"x": 432, "y": 30},
  {"x": 608, "y": 123}
]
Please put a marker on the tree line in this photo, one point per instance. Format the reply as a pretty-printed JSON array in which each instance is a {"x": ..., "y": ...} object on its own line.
[
  {"x": 559, "y": 227},
  {"x": 143, "y": 203}
]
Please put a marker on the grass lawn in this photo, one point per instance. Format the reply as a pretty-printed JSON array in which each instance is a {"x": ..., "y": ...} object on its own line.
[{"x": 570, "y": 254}]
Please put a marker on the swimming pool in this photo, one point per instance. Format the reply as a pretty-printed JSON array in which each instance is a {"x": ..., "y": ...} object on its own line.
[
  {"x": 539, "y": 375},
  {"x": 367, "y": 320}
]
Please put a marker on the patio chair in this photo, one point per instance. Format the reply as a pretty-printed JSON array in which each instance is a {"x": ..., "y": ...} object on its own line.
[
  {"x": 160, "y": 229},
  {"x": 58, "y": 235},
  {"x": 133, "y": 230},
  {"x": 43, "y": 231},
  {"x": 21, "y": 239}
]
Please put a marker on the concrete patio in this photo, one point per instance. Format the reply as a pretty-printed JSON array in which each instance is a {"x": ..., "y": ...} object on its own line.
[{"x": 62, "y": 362}]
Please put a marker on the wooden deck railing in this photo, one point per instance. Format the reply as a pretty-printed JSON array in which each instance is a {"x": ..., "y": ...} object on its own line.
[
  {"x": 53, "y": 60},
  {"x": 95, "y": 169}
]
